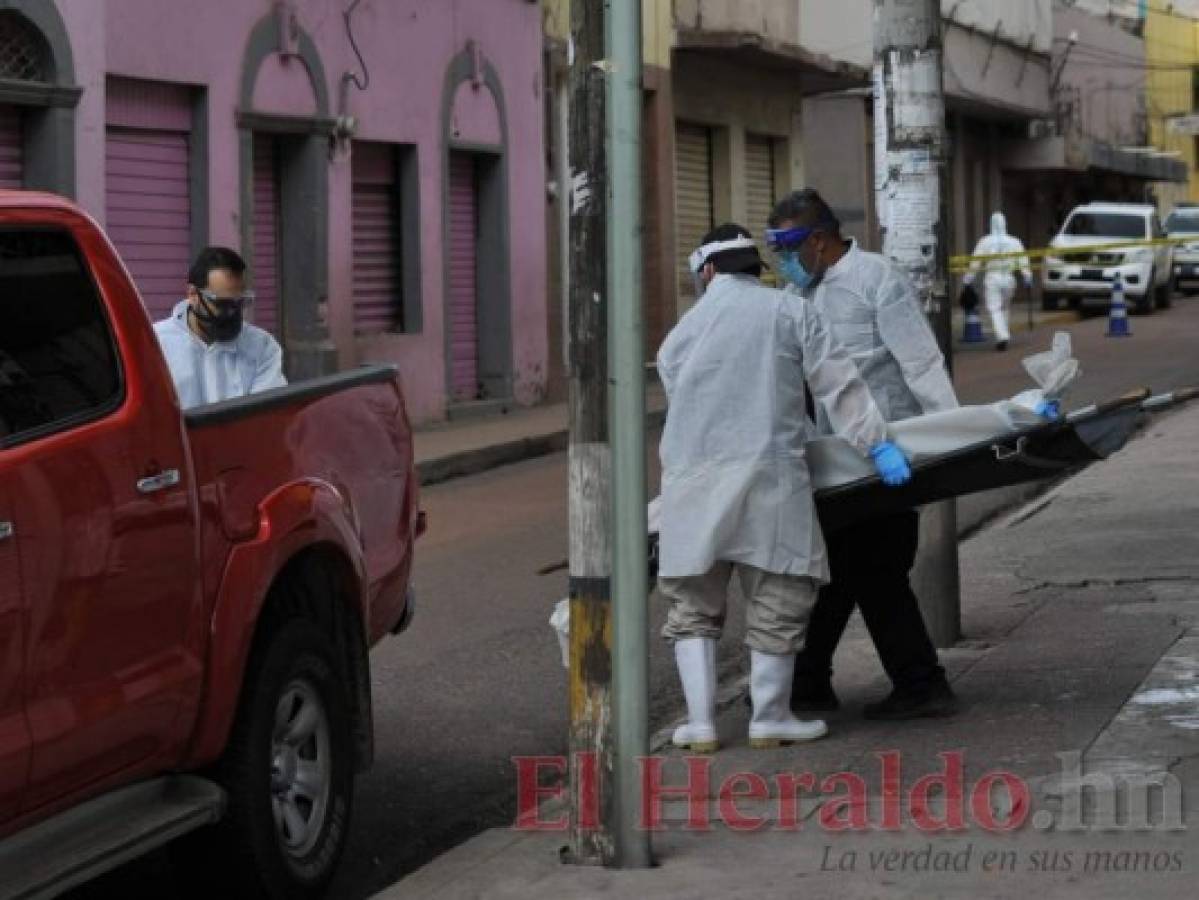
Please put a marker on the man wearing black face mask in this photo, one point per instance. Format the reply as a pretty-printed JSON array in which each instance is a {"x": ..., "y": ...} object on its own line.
[{"x": 213, "y": 354}]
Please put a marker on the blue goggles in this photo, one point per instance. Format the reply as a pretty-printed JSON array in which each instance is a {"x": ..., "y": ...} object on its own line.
[{"x": 778, "y": 239}]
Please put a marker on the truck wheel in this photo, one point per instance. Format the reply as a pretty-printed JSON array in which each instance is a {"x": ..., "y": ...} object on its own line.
[
  {"x": 1049, "y": 302},
  {"x": 289, "y": 774}
]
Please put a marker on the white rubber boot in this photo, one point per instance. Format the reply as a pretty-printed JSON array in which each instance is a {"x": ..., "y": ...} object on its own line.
[
  {"x": 696, "y": 659},
  {"x": 773, "y": 724}
]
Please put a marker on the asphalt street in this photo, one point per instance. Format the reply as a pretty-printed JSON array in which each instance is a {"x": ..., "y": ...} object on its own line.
[{"x": 478, "y": 679}]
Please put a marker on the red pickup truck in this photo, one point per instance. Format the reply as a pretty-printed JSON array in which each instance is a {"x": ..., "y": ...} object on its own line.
[{"x": 187, "y": 600}]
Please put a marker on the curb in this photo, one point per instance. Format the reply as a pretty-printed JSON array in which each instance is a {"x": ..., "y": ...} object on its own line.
[{"x": 482, "y": 459}]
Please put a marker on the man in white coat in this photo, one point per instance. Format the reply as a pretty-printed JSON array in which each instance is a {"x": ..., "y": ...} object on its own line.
[
  {"x": 999, "y": 280},
  {"x": 873, "y": 312},
  {"x": 212, "y": 352},
  {"x": 736, "y": 495}
]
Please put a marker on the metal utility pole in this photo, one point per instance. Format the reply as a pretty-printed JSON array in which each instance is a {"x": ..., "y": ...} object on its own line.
[
  {"x": 590, "y": 455},
  {"x": 912, "y": 196},
  {"x": 626, "y": 341},
  {"x": 608, "y": 691}
]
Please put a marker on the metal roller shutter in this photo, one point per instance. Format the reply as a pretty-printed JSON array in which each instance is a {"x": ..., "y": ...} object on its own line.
[
  {"x": 11, "y": 149},
  {"x": 463, "y": 294},
  {"x": 264, "y": 226},
  {"x": 693, "y": 199},
  {"x": 376, "y": 239},
  {"x": 148, "y": 186},
  {"x": 759, "y": 184}
]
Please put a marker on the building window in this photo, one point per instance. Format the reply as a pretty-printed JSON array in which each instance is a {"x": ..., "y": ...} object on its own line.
[
  {"x": 150, "y": 180},
  {"x": 23, "y": 54},
  {"x": 385, "y": 239},
  {"x": 37, "y": 99},
  {"x": 694, "y": 204}
]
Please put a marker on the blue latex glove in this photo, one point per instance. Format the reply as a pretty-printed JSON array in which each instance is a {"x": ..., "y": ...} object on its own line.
[
  {"x": 892, "y": 465},
  {"x": 1049, "y": 409}
]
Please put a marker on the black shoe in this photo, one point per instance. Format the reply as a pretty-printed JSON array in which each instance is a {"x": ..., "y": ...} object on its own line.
[
  {"x": 810, "y": 694},
  {"x": 1001, "y": 346},
  {"x": 931, "y": 702}
]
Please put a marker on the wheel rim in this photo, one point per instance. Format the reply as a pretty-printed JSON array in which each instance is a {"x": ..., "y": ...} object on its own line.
[{"x": 301, "y": 767}]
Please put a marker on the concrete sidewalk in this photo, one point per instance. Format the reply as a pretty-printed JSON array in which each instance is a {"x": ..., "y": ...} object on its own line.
[
  {"x": 1081, "y": 655},
  {"x": 470, "y": 446}
]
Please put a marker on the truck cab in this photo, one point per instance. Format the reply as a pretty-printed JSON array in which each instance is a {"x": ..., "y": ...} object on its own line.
[
  {"x": 187, "y": 601},
  {"x": 1080, "y": 268}
]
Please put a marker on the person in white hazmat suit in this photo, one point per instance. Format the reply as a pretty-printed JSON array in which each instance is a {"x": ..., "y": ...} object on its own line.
[
  {"x": 999, "y": 280},
  {"x": 212, "y": 352},
  {"x": 872, "y": 310},
  {"x": 736, "y": 499}
]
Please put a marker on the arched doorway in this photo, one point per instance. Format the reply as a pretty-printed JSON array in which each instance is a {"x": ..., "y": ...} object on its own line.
[
  {"x": 284, "y": 130},
  {"x": 478, "y": 319},
  {"x": 38, "y": 96}
]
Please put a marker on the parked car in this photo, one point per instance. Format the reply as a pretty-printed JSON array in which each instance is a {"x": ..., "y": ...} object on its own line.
[
  {"x": 187, "y": 600},
  {"x": 1086, "y": 276},
  {"x": 1183, "y": 223}
]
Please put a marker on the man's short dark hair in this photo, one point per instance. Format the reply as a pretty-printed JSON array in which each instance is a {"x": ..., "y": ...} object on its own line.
[
  {"x": 211, "y": 258},
  {"x": 744, "y": 261},
  {"x": 806, "y": 208}
]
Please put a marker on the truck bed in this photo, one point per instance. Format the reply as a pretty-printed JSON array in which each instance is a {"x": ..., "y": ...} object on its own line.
[{"x": 348, "y": 430}]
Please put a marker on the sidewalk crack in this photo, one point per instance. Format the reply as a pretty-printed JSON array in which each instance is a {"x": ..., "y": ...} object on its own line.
[{"x": 1106, "y": 582}]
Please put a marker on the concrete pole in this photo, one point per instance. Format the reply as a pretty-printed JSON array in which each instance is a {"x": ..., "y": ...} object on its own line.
[
  {"x": 626, "y": 342},
  {"x": 590, "y": 458},
  {"x": 912, "y": 188}
]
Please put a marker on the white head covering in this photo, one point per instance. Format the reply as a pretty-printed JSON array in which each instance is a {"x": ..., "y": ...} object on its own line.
[{"x": 707, "y": 251}]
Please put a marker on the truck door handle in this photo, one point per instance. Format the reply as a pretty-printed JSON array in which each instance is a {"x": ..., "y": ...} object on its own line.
[
  {"x": 151, "y": 484},
  {"x": 6, "y": 531}
]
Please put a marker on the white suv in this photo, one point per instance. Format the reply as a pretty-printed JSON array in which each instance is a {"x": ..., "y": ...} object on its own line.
[
  {"x": 1087, "y": 275},
  {"x": 1183, "y": 223}
]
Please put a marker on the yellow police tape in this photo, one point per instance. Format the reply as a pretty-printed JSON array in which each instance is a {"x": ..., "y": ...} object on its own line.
[{"x": 962, "y": 263}]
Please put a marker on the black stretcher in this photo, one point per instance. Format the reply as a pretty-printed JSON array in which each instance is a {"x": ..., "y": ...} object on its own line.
[{"x": 1036, "y": 453}]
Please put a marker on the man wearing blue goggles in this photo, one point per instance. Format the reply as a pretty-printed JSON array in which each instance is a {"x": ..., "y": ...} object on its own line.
[
  {"x": 873, "y": 312},
  {"x": 791, "y": 245}
]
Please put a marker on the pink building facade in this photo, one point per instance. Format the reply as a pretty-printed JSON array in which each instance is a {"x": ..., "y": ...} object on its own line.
[{"x": 382, "y": 172}]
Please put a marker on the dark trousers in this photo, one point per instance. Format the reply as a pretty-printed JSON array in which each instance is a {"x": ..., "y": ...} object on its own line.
[{"x": 870, "y": 563}]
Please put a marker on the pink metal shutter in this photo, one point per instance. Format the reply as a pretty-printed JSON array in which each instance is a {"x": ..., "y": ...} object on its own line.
[
  {"x": 148, "y": 188},
  {"x": 463, "y": 295},
  {"x": 11, "y": 151},
  {"x": 265, "y": 226},
  {"x": 376, "y": 239}
]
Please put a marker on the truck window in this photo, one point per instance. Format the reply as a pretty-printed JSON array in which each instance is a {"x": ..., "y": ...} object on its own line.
[
  {"x": 1183, "y": 222},
  {"x": 1108, "y": 225},
  {"x": 58, "y": 364}
]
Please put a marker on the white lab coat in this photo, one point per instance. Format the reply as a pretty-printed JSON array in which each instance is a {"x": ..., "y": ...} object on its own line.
[
  {"x": 999, "y": 281},
  {"x": 735, "y": 484},
  {"x": 873, "y": 312},
  {"x": 208, "y": 373}
]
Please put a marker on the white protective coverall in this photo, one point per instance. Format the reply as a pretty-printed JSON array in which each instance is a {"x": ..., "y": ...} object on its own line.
[
  {"x": 209, "y": 373},
  {"x": 873, "y": 312},
  {"x": 999, "y": 282},
  {"x": 735, "y": 483}
]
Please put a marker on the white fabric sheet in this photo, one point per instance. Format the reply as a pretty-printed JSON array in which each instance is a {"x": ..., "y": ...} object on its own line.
[{"x": 831, "y": 461}]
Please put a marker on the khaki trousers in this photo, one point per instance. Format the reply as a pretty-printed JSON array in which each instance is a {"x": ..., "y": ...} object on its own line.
[{"x": 777, "y": 607}]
